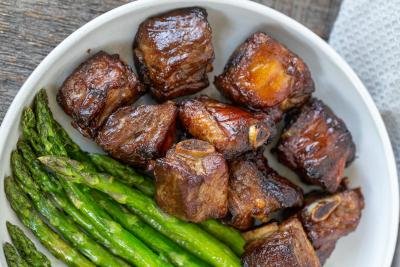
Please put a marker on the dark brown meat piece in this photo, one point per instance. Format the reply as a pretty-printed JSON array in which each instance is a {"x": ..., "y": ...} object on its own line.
[
  {"x": 95, "y": 89},
  {"x": 137, "y": 135},
  {"x": 286, "y": 246},
  {"x": 173, "y": 52},
  {"x": 192, "y": 181},
  {"x": 230, "y": 129},
  {"x": 317, "y": 145},
  {"x": 328, "y": 218},
  {"x": 263, "y": 74},
  {"x": 256, "y": 190}
]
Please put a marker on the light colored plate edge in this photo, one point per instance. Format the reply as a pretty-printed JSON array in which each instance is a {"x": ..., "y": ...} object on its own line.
[{"x": 12, "y": 113}]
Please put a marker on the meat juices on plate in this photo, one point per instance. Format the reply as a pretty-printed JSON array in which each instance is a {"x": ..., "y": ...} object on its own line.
[
  {"x": 192, "y": 181},
  {"x": 262, "y": 74},
  {"x": 317, "y": 145},
  {"x": 230, "y": 129},
  {"x": 256, "y": 190},
  {"x": 95, "y": 89},
  {"x": 283, "y": 245},
  {"x": 327, "y": 218},
  {"x": 138, "y": 135},
  {"x": 173, "y": 52}
]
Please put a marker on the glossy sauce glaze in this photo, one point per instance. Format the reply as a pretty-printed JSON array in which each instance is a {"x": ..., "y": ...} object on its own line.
[
  {"x": 262, "y": 74},
  {"x": 95, "y": 89},
  {"x": 230, "y": 129},
  {"x": 317, "y": 145},
  {"x": 173, "y": 52},
  {"x": 138, "y": 135}
]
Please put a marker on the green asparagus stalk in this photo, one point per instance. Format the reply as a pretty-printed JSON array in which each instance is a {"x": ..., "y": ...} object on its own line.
[
  {"x": 28, "y": 123},
  {"x": 134, "y": 250},
  {"x": 12, "y": 257},
  {"x": 63, "y": 144},
  {"x": 59, "y": 221},
  {"x": 129, "y": 247},
  {"x": 186, "y": 234},
  {"x": 226, "y": 234},
  {"x": 31, "y": 219},
  {"x": 42, "y": 178},
  {"x": 26, "y": 248},
  {"x": 47, "y": 182},
  {"x": 73, "y": 150},
  {"x": 45, "y": 126},
  {"x": 151, "y": 237},
  {"x": 126, "y": 174}
]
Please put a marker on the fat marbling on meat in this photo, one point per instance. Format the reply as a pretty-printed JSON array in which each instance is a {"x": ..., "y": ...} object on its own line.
[{"x": 262, "y": 74}]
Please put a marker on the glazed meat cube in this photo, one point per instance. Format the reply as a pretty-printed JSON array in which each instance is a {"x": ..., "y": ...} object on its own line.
[
  {"x": 256, "y": 190},
  {"x": 173, "y": 52},
  {"x": 328, "y": 218},
  {"x": 263, "y": 74},
  {"x": 192, "y": 181},
  {"x": 286, "y": 245},
  {"x": 317, "y": 145},
  {"x": 230, "y": 129},
  {"x": 95, "y": 89},
  {"x": 137, "y": 135}
]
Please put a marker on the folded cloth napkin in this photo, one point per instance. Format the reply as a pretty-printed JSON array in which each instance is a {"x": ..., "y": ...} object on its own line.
[{"x": 367, "y": 35}]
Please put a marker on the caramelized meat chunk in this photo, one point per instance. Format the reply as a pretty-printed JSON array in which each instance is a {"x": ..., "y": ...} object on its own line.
[
  {"x": 192, "y": 181},
  {"x": 95, "y": 89},
  {"x": 328, "y": 218},
  {"x": 317, "y": 145},
  {"x": 286, "y": 245},
  {"x": 264, "y": 74},
  {"x": 230, "y": 129},
  {"x": 137, "y": 135},
  {"x": 173, "y": 52},
  {"x": 256, "y": 190}
]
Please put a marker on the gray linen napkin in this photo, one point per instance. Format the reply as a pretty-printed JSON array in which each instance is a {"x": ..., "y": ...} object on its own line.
[{"x": 367, "y": 35}]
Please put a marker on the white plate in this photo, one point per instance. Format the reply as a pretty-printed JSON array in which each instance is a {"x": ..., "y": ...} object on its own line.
[{"x": 373, "y": 243}]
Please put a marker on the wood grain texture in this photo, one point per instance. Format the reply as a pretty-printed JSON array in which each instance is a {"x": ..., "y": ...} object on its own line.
[{"x": 30, "y": 29}]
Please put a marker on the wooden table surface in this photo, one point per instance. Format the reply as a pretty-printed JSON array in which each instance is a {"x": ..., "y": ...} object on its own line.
[{"x": 30, "y": 29}]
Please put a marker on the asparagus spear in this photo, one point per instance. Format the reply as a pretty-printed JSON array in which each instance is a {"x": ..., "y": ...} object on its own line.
[
  {"x": 12, "y": 257},
  {"x": 128, "y": 246},
  {"x": 45, "y": 126},
  {"x": 186, "y": 234},
  {"x": 226, "y": 234},
  {"x": 59, "y": 221},
  {"x": 151, "y": 237},
  {"x": 126, "y": 174},
  {"x": 31, "y": 219},
  {"x": 28, "y": 123},
  {"x": 47, "y": 183},
  {"x": 134, "y": 250},
  {"x": 52, "y": 131},
  {"x": 43, "y": 180},
  {"x": 26, "y": 248}
]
